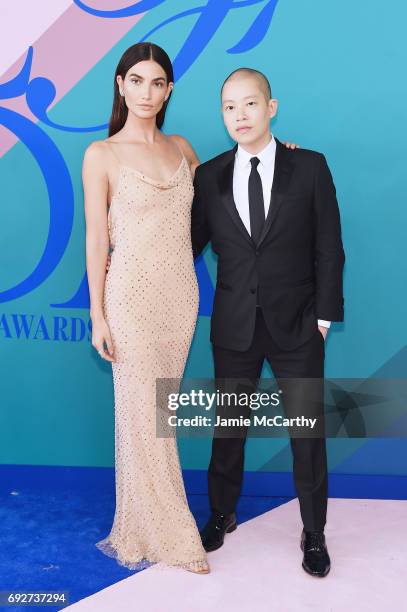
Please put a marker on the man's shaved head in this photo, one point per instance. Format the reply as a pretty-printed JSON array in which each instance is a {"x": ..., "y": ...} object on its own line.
[
  {"x": 242, "y": 73},
  {"x": 247, "y": 108}
]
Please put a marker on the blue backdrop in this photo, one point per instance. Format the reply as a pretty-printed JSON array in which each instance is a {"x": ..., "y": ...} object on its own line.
[{"x": 336, "y": 68}]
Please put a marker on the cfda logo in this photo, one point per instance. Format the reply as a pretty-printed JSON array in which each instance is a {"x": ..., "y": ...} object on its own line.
[{"x": 40, "y": 92}]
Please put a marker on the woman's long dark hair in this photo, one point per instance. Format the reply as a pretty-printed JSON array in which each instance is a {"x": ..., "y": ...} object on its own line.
[{"x": 134, "y": 54}]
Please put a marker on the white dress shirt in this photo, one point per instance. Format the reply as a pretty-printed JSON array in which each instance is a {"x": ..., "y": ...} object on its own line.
[{"x": 242, "y": 169}]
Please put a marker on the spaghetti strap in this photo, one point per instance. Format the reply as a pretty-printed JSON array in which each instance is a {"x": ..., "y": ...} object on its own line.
[
  {"x": 113, "y": 153},
  {"x": 181, "y": 151}
]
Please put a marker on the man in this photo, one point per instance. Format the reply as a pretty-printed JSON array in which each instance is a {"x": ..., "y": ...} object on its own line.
[{"x": 272, "y": 217}]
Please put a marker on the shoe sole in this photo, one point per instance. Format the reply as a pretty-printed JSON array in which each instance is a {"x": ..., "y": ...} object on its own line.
[{"x": 228, "y": 530}]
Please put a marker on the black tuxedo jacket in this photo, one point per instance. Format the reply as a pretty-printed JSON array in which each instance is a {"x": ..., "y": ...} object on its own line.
[{"x": 298, "y": 262}]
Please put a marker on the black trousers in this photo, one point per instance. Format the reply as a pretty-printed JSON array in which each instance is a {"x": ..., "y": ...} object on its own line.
[{"x": 310, "y": 472}]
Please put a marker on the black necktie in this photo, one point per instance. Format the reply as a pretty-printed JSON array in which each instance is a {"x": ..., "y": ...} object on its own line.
[{"x": 256, "y": 201}]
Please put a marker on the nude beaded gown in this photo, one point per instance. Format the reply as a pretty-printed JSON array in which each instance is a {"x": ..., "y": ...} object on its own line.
[{"x": 151, "y": 304}]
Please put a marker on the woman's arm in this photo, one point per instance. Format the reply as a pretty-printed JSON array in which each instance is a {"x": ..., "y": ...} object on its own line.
[{"x": 95, "y": 187}]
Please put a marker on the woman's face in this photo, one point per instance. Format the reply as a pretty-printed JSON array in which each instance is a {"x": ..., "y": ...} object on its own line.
[{"x": 145, "y": 88}]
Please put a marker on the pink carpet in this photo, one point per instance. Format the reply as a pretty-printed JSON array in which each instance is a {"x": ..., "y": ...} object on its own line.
[{"x": 259, "y": 567}]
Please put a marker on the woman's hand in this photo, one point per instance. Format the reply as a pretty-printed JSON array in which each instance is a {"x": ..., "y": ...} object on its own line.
[
  {"x": 100, "y": 336},
  {"x": 291, "y": 145}
]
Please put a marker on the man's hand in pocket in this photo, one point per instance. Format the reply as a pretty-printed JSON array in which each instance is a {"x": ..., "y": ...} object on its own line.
[{"x": 323, "y": 330}]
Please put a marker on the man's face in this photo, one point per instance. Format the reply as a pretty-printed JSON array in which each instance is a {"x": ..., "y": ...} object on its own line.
[{"x": 246, "y": 111}]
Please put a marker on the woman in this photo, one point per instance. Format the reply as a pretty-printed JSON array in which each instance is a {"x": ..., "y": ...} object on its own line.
[{"x": 145, "y": 309}]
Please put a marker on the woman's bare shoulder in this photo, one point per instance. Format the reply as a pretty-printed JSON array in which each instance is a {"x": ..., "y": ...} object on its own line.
[
  {"x": 96, "y": 154},
  {"x": 187, "y": 149},
  {"x": 182, "y": 142},
  {"x": 96, "y": 148}
]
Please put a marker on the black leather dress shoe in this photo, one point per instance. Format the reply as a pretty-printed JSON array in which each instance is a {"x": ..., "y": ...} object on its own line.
[
  {"x": 316, "y": 560},
  {"x": 213, "y": 533}
]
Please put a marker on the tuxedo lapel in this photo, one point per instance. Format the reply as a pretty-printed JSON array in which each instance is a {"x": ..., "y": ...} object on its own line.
[
  {"x": 283, "y": 167},
  {"x": 226, "y": 192},
  {"x": 282, "y": 174}
]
